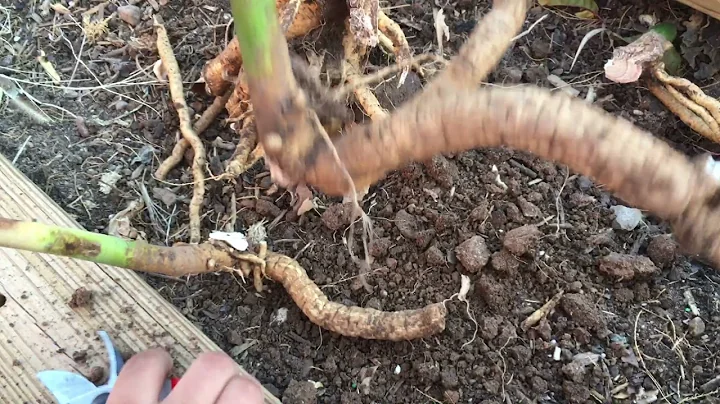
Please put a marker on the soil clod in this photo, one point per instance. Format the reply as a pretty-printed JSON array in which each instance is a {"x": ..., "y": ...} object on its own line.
[
  {"x": 473, "y": 254},
  {"x": 627, "y": 266}
]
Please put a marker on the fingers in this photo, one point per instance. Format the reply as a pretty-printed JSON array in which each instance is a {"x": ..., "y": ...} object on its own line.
[
  {"x": 241, "y": 390},
  {"x": 141, "y": 378},
  {"x": 214, "y": 375}
]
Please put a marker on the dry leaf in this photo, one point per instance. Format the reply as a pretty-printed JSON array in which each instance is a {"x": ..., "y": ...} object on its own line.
[
  {"x": 120, "y": 225},
  {"x": 60, "y": 9},
  {"x": 48, "y": 67},
  {"x": 441, "y": 28},
  {"x": 159, "y": 70}
]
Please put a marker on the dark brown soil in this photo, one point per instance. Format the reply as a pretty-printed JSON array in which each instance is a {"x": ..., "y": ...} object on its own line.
[{"x": 616, "y": 335}]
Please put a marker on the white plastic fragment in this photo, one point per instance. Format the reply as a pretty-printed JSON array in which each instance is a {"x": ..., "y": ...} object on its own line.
[
  {"x": 556, "y": 354},
  {"x": 626, "y": 218},
  {"x": 397, "y": 369},
  {"x": 236, "y": 240}
]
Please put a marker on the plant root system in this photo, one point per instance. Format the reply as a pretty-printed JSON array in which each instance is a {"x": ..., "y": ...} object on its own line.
[
  {"x": 296, "y": 19},
  {"x": 216, "y": 256},
  {"x": 188, "y": 133}
]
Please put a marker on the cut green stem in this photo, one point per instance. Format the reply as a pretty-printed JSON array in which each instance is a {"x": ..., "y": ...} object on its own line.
[{"x": 109, "y": 250}]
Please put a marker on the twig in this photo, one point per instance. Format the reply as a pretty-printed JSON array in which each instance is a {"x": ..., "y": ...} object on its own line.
[
  {"x": 527, "y": 31},
  {"x": 20, "y": 150},
  {"x": 176, "y": 93},
  {"x": 536, "y": 316}
]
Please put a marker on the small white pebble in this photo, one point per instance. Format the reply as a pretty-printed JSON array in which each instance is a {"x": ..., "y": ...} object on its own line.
[
  {"x": 397, "y": 369},
  {"x": 280, "y": 316},
  {"x": 556, "y": 354}
]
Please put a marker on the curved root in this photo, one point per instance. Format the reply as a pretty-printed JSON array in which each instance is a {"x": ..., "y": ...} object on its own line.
[
  {"x": 178, "y": 98},
  {"x": 643, "y": 170},
  {"x": 200, "y": 126},
  {"x": 241, "y": 159},
  {"x": 352, "y": 321}
]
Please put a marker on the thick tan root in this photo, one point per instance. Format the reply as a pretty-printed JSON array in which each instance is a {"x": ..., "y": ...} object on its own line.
[
  {"x": 353, "y": 321},
  {"x": 695, "y": 93},
  {"x": 394, "y": 33},
  {"x": 302, "y": 18},
  {"x": 178, "y": 98},
  {"x": 241, "y": 160},
  {"x": 692, "y": 114},
  {"x": 181, "y": 146},
  {"x": 643, "y": 170},
  {"x": 483, "y": 51}
]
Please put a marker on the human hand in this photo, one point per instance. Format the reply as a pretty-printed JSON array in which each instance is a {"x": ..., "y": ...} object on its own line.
[{"x": 212, "y": 379}]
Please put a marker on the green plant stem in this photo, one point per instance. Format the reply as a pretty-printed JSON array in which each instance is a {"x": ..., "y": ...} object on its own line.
[
  {"x": 255, "y": 23},
  {"x": 110, "y": 250}
]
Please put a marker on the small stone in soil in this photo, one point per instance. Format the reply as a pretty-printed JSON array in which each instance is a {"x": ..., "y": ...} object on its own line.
[
  {"x": 379, "y": 247},
  {"x": 406, "y": 224},
  {"x": 528, "y": 208},
  {"x": 473, "y": 254},
  {"x": 336, "y": 216},
  {"x": 434, "y": 257},
  {"x": 582, "y": 311},
  {"x": 130, "y": 14},
  {"x": 504, "y": 261},
  {"x": 522, "y": 239},
  {"x": 662, "y": 250},
  {"x": 449, "y": 377},
  {"x": 300, "y": 393},
  {"x": 452, "y": 396},
  {"x": 442, "y": 170},
  {"x": 626, "y": 218},
  {"x": 696, "y": 327},
  {"x": 626, "y": 266}
]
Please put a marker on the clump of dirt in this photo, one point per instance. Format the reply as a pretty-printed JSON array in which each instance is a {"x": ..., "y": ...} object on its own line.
[
  {"x": 547, "y": 230},
  {"x": 81, "y": 297}
]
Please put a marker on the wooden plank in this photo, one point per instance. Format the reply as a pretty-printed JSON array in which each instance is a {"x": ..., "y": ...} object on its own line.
[
  {"x": 709, "y": 7},
  {"x": 41, "y": 331}
]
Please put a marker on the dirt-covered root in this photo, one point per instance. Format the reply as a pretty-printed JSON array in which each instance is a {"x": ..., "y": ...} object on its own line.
[
  {"x": 353, "y": 321},
  {"x": 291, "y": 140},
  {"x": 694, "y": 116},
  {"x": 391, "y": 30},
  {"x": 243, "y": 158},
  {"x": 686, "y": 100},
  {"x": 188, "y": 132},
  {"x": 200, "y": 126},
  {"x": 354, "y": 52},
  {"x": 641, "y": 169},
  {"x": 297, "y": 18}
]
